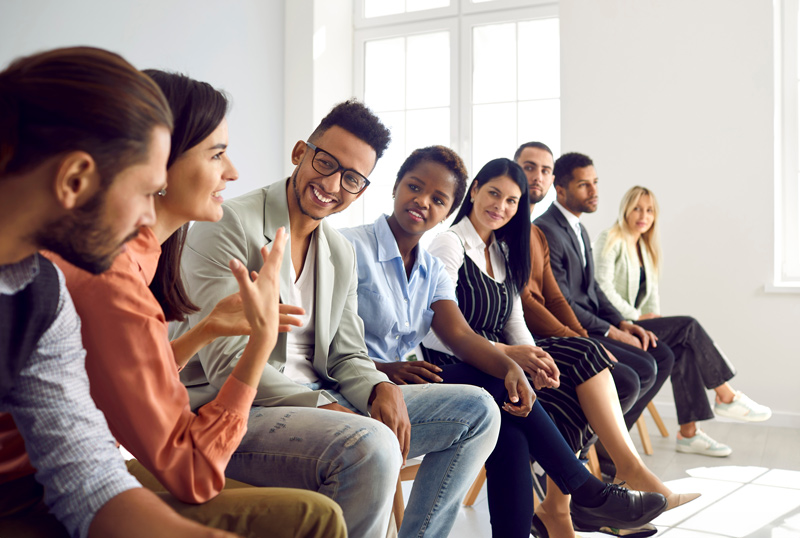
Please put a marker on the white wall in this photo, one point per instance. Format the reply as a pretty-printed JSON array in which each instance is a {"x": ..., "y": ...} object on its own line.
[
  {"x": 319, "y": 71},
  {"x": 319, "y": 65},
  {"x": 678, "y": 96},
  {"x": 236, "y": 45}
]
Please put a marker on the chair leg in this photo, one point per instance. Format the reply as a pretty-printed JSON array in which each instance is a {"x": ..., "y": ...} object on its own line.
[
  {"x": 594, "y": 463},
  {"x": 472, "y": 494},
  {"x": 657, "y": 419},
  {"x": 399, "y": 506},
  {"x": 643, "y": 433}
]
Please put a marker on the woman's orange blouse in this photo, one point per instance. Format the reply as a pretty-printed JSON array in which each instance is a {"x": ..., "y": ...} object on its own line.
[{"x": 134, "y": 379}]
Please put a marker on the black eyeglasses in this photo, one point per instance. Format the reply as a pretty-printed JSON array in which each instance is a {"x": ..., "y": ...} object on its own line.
[{"x": 327, "y": 165}]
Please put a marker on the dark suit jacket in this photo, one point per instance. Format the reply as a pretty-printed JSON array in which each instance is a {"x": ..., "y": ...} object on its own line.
[{"x": 590, "y": 304}]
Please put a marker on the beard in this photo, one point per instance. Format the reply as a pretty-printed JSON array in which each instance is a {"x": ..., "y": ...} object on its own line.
[
  {"x": 581, "y": 206},
  {"x": 83, "y": 238},
  {"x": 298, "y": 199},
  {"x": 535, "y": 199}
]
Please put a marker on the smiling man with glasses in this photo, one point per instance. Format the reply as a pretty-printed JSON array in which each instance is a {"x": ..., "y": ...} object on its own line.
[
  {"x": 321, "y": 371},
  {"x": 327, "y": 165}
]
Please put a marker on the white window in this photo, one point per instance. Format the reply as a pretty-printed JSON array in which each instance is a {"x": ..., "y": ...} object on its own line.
[
  {"x": 787, "y": 148},
  {"x": 479, "y": 76}
]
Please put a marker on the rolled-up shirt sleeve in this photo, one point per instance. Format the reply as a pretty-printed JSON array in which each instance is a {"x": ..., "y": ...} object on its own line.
[{"x": 66, "y": 436}]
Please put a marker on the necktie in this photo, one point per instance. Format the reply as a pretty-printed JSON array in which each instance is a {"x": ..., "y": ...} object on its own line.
[{"x": 577, "y": 229}]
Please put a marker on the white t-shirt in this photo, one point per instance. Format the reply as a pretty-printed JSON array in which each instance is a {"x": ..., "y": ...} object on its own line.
[{"x": 300, "y": 340}]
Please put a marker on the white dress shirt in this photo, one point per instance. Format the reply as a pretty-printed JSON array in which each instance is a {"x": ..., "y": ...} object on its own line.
[{"x": 575, "y": 224}]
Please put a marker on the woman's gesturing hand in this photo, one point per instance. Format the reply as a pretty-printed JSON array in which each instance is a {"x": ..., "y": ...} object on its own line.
[{"x": 260, "y": 298}]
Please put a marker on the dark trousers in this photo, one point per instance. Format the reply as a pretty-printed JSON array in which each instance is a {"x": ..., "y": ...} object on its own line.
[
  {"x": 508, "y": 473},
  {"x": 699, "y": 364},
  {"x": 649, "y": 369}
]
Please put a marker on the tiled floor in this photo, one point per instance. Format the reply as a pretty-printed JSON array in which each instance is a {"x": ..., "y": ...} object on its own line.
[{"x": 753, "y": 493}]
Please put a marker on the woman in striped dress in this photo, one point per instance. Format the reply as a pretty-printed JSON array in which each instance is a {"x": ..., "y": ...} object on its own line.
[
  {"x": 403, "y": 292},
  {"x": 486, "y": 253}
]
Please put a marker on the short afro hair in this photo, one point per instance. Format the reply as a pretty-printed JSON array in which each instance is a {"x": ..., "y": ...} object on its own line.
[
  {"x": 447, "y": 158},
  {"x": 354, "y": 117},
  {"x": 566, "y": 164}
]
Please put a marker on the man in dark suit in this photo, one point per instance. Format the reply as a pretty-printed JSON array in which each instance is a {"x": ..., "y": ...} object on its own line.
[{"x": 576, "y": 181}]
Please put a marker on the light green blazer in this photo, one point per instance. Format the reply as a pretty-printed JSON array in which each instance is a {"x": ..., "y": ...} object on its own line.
[
  {"x": 617, "y": 273},
  {"x": 340, "y": 354}
]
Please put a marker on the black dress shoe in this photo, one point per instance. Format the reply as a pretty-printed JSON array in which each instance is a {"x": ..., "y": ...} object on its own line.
[
  {"x": 621, "y": 508},
  {"x": 538, "y": 530}
]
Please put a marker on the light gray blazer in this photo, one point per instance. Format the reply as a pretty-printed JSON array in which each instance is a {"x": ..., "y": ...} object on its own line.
[
  {"x": 340, "y": 354},
  {"x": 617, "y": 274}
]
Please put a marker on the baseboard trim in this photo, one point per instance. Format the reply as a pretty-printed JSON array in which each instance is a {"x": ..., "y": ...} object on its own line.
[{"x": 780, "y": 419}]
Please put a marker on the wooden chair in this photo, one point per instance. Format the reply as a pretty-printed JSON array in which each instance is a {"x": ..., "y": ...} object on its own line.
[{"x": 641, "y": 425}]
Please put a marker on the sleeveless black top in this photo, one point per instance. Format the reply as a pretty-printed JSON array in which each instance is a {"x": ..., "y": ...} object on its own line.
[
  {"x": 485, "y": 303},
  {"x": 24, "y": 318}
]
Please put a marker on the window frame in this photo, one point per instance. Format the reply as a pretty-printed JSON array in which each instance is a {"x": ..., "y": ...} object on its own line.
[
  {"x": 459, "y": 18},
  {"x": 467, "y": 22},
  {"x": 786, "y": 263}
]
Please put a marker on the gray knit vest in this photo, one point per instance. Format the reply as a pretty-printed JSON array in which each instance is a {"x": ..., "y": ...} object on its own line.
[{"x": 24, "y": 318}]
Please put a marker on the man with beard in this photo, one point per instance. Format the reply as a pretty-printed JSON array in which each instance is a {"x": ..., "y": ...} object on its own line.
[
  {"x": 84, "y": 140},
  {"x": 324, "y": 364},
  {"x": 572, "y": 265},
  {"x": 547, "y": 312}
]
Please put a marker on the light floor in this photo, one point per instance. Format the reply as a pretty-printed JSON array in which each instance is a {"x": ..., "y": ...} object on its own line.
[{"x": 753, "y": 493}]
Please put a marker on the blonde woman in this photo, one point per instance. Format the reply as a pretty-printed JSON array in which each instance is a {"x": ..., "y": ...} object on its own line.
[{"x": 627, "y": 257}]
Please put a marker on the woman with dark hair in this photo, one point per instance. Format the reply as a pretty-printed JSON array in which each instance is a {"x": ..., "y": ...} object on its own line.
[
  {"x": 397, "y": 280},
  {"x": 133, "y": 368},
  {"x": 486, "y": 254}
]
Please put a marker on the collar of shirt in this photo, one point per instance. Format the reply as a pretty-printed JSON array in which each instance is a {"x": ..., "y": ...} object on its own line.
[
  {"x": 388, "y": 249},
  {"x": 571, "y": 218},
  {"x": 14, "y": 277},
  {"x": 145, "y": 251},
  {"x": 475, "y": 248}
]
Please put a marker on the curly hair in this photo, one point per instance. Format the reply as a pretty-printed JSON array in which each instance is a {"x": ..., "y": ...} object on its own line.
[
  {"x": 447, "y": 158},
  {"x": 566, "y": 164},
  {"x": 354, "y": 117}
]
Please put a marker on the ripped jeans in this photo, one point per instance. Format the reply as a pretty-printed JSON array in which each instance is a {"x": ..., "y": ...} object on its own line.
[{"x": 355, "y": 460}]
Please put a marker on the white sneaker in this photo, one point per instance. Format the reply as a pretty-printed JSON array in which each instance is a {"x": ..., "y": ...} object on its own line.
[
  {"x": 702, "y": 444},
  {"x": 743, "y": 408}
]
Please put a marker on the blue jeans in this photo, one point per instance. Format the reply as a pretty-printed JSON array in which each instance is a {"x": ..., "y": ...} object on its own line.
[{"x": 355, "y": 460}]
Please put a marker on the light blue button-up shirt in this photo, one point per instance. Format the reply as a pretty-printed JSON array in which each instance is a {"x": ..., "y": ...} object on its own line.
[{"x": 396, "y": 310}]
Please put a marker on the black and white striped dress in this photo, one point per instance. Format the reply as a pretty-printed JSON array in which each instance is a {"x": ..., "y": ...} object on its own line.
[{"x": 486, "y": 305}]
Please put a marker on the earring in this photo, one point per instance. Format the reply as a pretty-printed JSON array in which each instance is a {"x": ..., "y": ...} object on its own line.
[
  {"x": 162, "y": 192},
  {"x": 471, "y": 199}
]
